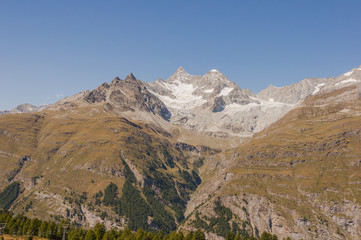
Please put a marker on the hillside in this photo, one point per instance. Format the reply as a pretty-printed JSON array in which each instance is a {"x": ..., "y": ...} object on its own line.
[
  {"x": 299, "y": 178},
  {"x": 63, "y": 161}
]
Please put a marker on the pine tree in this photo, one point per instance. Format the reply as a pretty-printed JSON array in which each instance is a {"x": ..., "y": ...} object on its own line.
[
  {"x": 42, "y": 229},
  {"x": 90, "y": 235},
  {"x": 34, "y": 227},
  {"x": 268, "y": 236},
  {"x": 26, "y": 227},
  {"x": 110, "y": 195},
  {"x": 229, "y": 236},
  {"x": 140, "y": 234},
  {"x": 99, "y": 230},
  {"x": 189, "y": 236},
  {"x": 198, "y": 235},
  {"x": 51, "y": 231}
]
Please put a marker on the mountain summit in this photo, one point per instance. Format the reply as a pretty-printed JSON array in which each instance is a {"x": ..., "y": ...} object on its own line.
[
  {"x": 181, "y": 76},
  {"x": 129, "y": 95},
  {"x": 234, "y": 111}
]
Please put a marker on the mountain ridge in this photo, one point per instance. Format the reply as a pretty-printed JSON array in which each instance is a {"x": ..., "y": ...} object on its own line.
[{"x": 232, "y": 159}]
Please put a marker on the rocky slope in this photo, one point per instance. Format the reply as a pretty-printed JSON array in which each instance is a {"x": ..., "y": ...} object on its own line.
[
  {"x": 296, "y": 93},
  {"x": 299, "y": 178}
]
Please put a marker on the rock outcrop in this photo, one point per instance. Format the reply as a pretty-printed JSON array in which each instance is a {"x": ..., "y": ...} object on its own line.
[{"x": 125, "y": 95}]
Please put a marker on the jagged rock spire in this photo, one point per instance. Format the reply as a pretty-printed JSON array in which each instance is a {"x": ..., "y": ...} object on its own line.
[{"x": 130, "y": 77}]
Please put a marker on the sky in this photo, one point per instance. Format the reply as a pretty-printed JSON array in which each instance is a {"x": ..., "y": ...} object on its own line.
[{"x": 53, "y": 49}]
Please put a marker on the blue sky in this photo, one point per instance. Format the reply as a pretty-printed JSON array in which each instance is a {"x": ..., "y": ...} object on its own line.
[{"x": 51, "y": 49}]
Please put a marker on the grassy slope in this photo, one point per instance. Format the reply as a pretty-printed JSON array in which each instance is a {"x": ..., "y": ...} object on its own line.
[
  {"x": 81, "y": 151},
  {"x": 315, "y": 147},
  {"x": 302, "y": 164}
]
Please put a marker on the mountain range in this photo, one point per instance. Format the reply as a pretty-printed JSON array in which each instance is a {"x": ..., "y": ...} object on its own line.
[{"x": 193, "y": 152}]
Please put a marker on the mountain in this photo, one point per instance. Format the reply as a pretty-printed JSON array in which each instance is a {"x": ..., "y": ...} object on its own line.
[
  {"x": 296, "y": 93},
  {"x": 65, "y": 162},
  {"x": 128, "y": 95},
  {"x": 299, "y": 178},
  {"x": 213, "y": 91},
  {"x": 192, "y": 152},
  {"x": 215, "y": 106},
  {"x": 83, "y": 159},
  {"x": 24, "y": 108}
]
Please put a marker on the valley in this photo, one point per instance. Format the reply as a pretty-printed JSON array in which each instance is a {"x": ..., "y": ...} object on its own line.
[{"x": 191, "y": 152}]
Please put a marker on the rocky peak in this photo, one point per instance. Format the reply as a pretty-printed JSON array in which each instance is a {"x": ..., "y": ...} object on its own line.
[
  {"x": 215, "y": 77},
  {"x": 115, "y": 80},
  {"x": 130, "y": 77},
  {"x": 127, "y": 95},
  {"x": 181, "y": 76}
]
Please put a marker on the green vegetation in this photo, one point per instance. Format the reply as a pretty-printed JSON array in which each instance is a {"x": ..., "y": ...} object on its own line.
[
  {"x": 110, "y": 195},
  {"x": 162, "y": 217},
  {"x": 101, "y": 139},
  {"x": 156, "y": 205},
  {"x": 22, "y": 226},
  {"x": 134, "y": 207},
  {"x": 220, "y": 225},
  {"x": 9, "y": 195}
]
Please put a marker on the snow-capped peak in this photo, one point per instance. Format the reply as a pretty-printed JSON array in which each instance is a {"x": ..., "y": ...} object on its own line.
[
  {"x": 348, "y": 73},
  {"x": 214, "y": 70},
  {"x": 180, "y": 75}
]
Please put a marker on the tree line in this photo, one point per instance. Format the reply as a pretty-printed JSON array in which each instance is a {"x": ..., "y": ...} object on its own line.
[{"x": 22, "y": 226}]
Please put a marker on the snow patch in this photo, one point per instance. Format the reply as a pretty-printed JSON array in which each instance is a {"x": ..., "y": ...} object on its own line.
[
  {"x": 225, "y": 91},
  {"x": 351, "y": 80},
  {"x": 235, "y": 107},
  {"x": 184, "y": 98},
  {"x": 317, "y": 88},
  {"x": 208, "y": 90},
  {"x": 348, "y": 73},
  {"x": 271, "y": 100},
  {"x": 264, "y": 105},
  {"x": 214, "y": 70}
]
